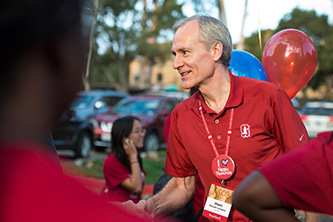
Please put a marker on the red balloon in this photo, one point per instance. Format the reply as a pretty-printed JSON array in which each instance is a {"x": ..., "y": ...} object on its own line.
[{"x": 290, "y": 59}]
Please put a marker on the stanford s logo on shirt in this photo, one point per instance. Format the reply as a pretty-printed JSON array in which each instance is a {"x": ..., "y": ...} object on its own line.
[{"x": 245, "y": 130}]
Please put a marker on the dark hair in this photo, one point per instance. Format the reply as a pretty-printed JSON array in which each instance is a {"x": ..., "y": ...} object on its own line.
[
  {"x": 122, "y": 128},
  {"x": 27, "y": 23}
]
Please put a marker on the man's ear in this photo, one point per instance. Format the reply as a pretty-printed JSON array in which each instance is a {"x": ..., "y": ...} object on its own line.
[{"x": 217, "y": 50}]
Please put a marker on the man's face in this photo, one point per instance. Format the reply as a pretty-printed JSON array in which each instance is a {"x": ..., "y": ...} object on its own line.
[{"x": 193, "y": 61}]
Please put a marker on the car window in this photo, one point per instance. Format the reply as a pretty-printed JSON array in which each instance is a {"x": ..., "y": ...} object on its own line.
[
  {"x": 82, "y": 102},
  {"x": 136, "y": 107},
  {"x": 321, "y": 111},
  {"x": 169, "y": 105},
  {"x": 111, "y": 100}
]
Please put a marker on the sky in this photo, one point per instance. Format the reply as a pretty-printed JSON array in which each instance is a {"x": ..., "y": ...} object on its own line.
[{"x": 268, "y": 12}]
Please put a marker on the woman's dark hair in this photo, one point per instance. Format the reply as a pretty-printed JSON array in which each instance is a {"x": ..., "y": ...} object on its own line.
[{"x": 122, "y": 128}]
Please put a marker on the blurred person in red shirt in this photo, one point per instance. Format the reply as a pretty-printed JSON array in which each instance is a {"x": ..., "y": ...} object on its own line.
[
  {"x": 301, "y": 179},
  {"x": 42, "y": 61}
]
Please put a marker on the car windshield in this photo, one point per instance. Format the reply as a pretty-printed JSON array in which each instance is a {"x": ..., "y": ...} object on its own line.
[
  {"x": 320, "y": 111},
  {"x": 136, "y": 107},
  {"x": 82, "y": 102}
]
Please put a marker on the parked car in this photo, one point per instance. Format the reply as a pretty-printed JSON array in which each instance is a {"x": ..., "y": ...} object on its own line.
[
  {"x": 151, "y": 110},
  {"x": 180, "y": 95},
  {"x": 317, "y": 117},
  {"x": 75, "y": 131}
]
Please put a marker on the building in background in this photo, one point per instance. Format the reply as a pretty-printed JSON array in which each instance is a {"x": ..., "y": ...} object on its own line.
[{"x": 163, "y": 76}]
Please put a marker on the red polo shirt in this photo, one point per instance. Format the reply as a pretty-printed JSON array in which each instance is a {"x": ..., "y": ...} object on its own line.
[
  {"x": 115, "y": 173},
  {"x": 303, "y": 178},
  {"x": 265, "y": 125}
]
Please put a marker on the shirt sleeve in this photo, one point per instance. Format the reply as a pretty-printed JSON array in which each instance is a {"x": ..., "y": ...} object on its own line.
[
  {"x": 114, "y": 172},
  {"x": 178, "y": 163},
  {"x": 289, "y": 130}
]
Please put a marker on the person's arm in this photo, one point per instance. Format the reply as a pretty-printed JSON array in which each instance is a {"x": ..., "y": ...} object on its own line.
[
  {"x": 256, "y": 199},
  {"x": 133, "y": 183},
  {"x": 173, "y": 196}
]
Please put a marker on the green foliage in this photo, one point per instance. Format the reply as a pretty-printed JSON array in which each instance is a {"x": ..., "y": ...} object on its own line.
[
  {"x": 127, "y": 31},
  {"x": 252, "y": 45}
]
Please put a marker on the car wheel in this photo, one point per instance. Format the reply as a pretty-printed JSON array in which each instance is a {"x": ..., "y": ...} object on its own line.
[
  {"x": 84, "y": 145},
  {"x": 152, "y": 142}
]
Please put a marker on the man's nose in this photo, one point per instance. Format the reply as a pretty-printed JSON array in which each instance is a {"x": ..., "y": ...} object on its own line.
[{"x": 177, "y": 62}]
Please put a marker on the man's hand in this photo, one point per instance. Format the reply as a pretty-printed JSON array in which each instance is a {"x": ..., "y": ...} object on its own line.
[{"x": 137, "y": 209}]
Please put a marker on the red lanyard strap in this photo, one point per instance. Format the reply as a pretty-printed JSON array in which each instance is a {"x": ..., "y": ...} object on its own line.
[{"x": 209, "y": 135}]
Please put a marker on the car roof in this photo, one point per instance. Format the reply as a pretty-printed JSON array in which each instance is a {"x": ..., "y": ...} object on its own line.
[
  {"x": 180, "y": 95},
  {"x": 317, "y": 104},
  {"x": 150, "y": 97},
  {"x": 103, "y": 92}
]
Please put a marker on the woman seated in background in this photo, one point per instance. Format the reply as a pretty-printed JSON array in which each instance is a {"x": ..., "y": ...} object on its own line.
[{"x": 123, "y": 172}]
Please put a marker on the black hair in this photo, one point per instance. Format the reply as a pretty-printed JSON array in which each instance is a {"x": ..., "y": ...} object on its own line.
[
  {"x": 122, "y": 128},
  {"x": 27, "y": 23}
]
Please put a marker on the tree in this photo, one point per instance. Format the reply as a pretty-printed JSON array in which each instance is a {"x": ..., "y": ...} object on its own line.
[
  {"x": 128, "y": 29},
  {"x": 318, "y": 29},
  {"x": 116, "y": 28},
  {"x": 321, "y": 33},
  {"x": 154, "y": 23}
]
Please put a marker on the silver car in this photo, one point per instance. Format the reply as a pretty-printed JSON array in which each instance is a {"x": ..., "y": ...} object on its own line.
[{"x": 317, "y": 117}]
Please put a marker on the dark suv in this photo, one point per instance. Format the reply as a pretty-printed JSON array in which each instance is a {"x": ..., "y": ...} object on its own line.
[
  {"x": 75, "y": 131},
  {"x": 151, "y": 110}
]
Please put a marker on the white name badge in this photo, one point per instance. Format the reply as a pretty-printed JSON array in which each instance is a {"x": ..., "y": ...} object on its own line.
[{"x": 218, "y": 203}]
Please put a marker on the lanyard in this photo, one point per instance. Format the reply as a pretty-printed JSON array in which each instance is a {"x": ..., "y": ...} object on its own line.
[{"x": 210, "y": 137}]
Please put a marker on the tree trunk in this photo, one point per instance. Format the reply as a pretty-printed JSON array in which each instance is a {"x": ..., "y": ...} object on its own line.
[
  {"x": 123, "y": 75},
  {"x": 144, "y": 17},
  {"x": 240, "y": 45},
  {"x": 86, "y": 79},
  {"x": 222, "y": 15}
]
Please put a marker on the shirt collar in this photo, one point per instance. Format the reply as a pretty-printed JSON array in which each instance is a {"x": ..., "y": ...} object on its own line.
[{"x": 235, "y": 97}]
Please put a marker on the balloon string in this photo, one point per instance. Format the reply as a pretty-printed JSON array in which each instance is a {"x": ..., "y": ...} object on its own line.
[{"x": 259, "y": 31}]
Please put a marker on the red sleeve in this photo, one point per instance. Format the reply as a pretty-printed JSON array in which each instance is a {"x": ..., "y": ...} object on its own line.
[
  {"x": 177, "y": 162},
  {"x": 166, "y": 129},
  {"x": 34, "y": 193},
  {"x": 114, "y": 172},
  {"x": 303, "y": 177},
  {"x": 289, "y": 129}
]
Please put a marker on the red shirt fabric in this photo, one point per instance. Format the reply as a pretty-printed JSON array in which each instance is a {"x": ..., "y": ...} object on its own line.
[
  {"x": 33, "y": 189},
  {"x": 303, "y": 178},
  {"x": 274, "y": 127},
  {"x": 115, "y": 173}
]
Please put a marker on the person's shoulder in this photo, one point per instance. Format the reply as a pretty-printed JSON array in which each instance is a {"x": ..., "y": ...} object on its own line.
[
  {"x": 261, "y": 89},
  {"x": 258, "y": 84},
  {"x": 111, "y": 160}
]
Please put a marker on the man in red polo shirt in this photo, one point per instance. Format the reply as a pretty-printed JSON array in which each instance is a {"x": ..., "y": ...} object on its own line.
[{"x": 226, "y": 130}]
